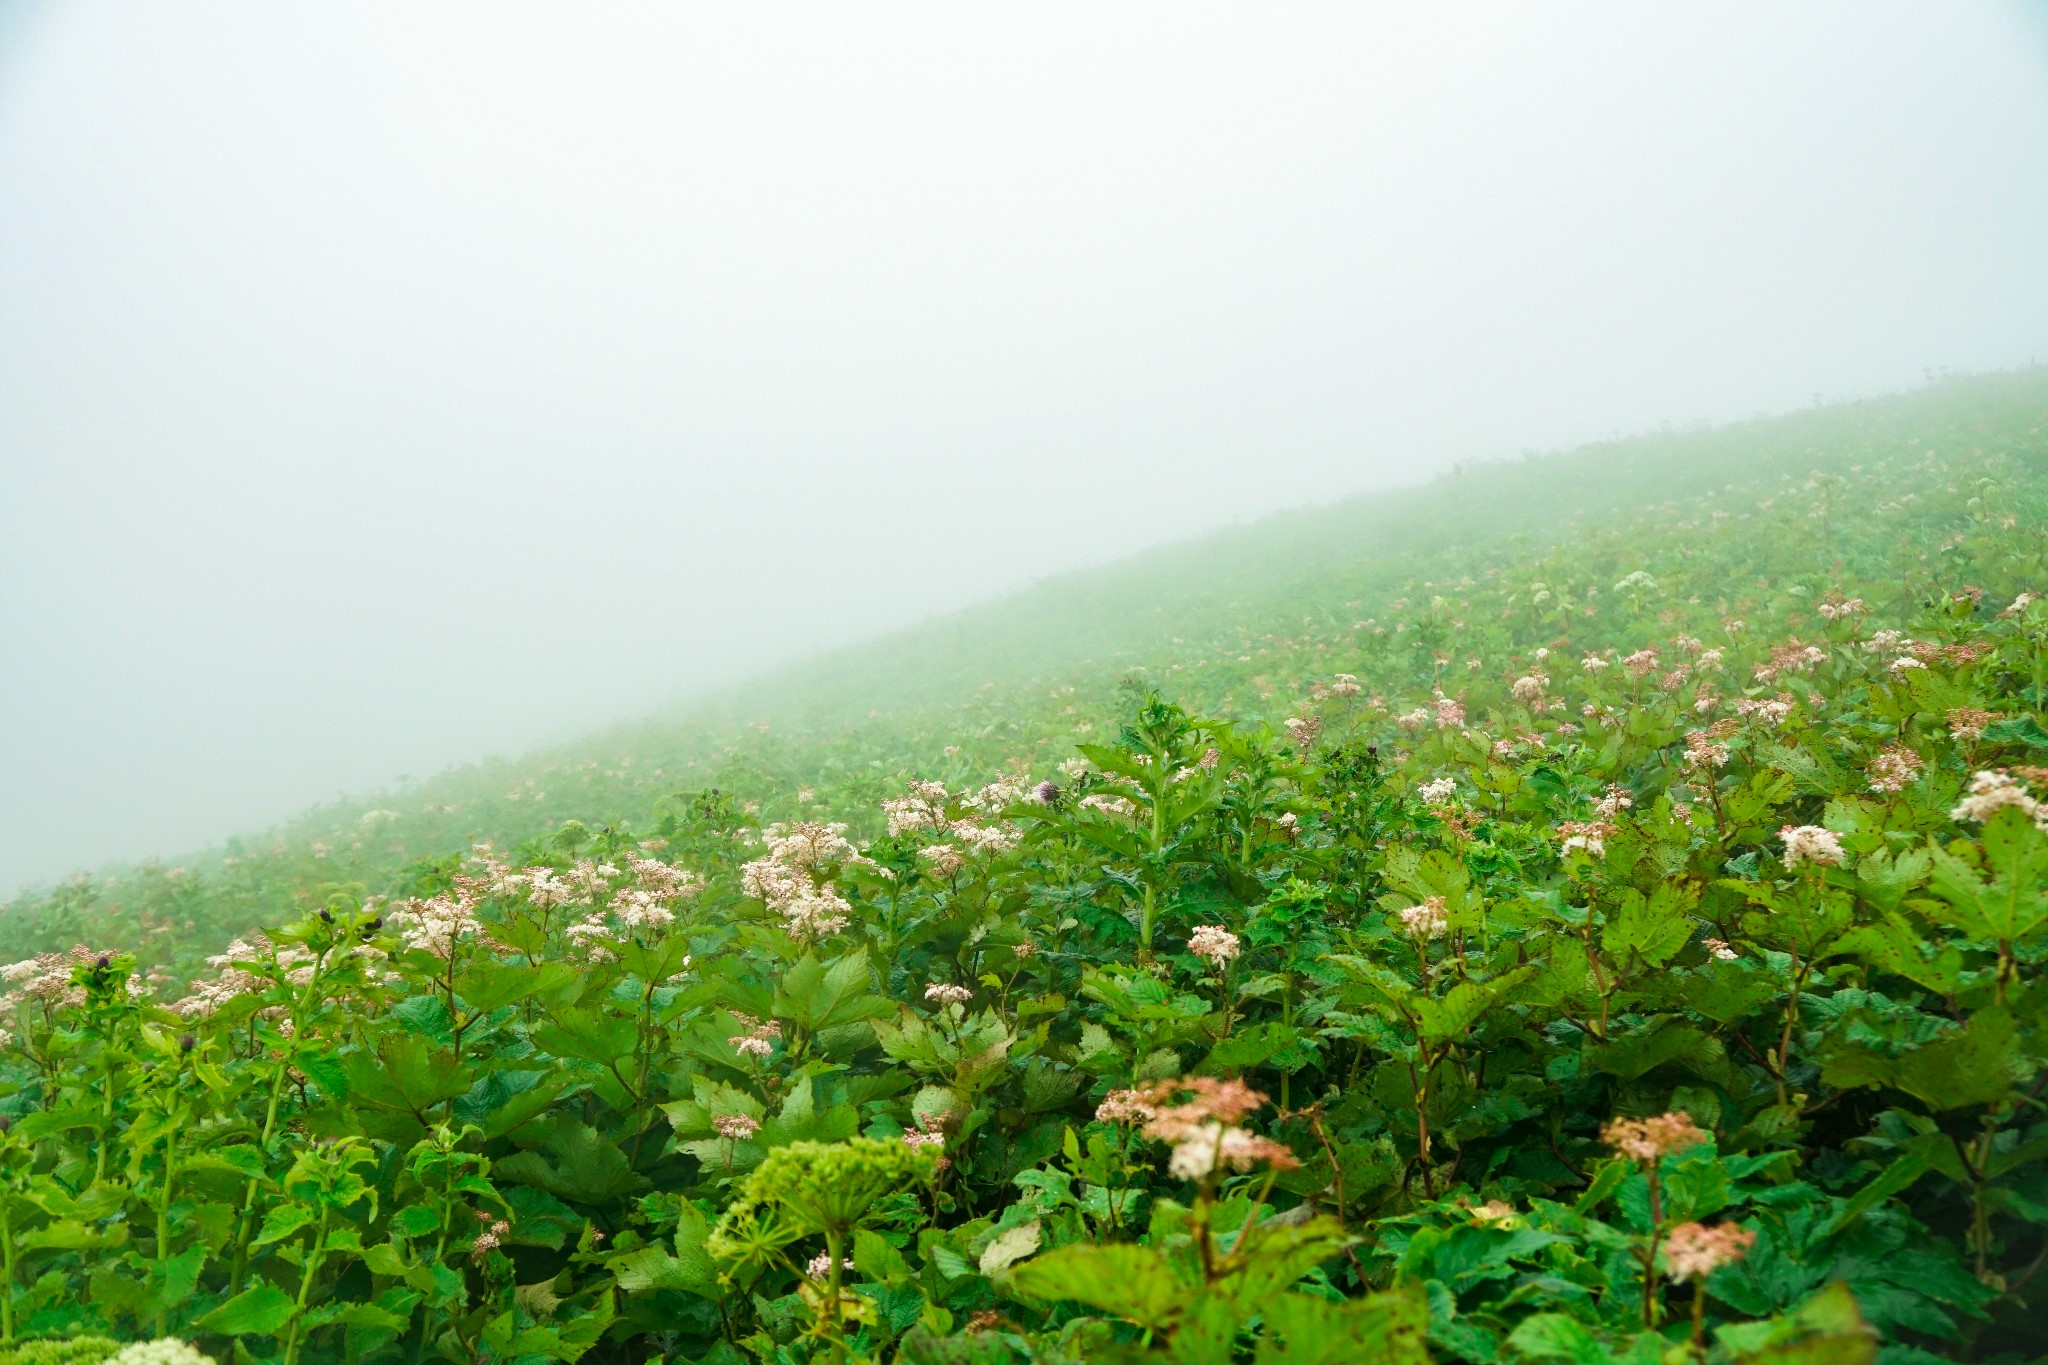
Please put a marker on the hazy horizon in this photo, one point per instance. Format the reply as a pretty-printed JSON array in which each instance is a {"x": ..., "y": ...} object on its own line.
[{"x": 384, "y": 388}]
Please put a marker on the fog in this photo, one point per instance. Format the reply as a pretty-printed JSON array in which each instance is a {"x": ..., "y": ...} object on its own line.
[{"x": 386, "y": 385}]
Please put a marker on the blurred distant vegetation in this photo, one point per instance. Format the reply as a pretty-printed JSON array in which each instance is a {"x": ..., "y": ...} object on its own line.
[{"x": 1230, "y": 622}]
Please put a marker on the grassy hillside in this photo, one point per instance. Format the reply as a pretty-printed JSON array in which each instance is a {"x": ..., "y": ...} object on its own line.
[
  {"x": 1233, "y": 621},
  {"x": 1593, "y": 908}
]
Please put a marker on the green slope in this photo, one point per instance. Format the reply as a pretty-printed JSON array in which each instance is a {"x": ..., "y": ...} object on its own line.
[{"x": 1232, "y": 621}]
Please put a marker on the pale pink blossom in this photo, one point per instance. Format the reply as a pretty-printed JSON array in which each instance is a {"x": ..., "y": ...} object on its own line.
[
  {"x": 1811, "y": 844},
  {"x": 1215, "y": 943}
]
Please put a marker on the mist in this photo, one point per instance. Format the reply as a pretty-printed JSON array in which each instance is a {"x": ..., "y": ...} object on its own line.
[{"x": 382, "y": 386}]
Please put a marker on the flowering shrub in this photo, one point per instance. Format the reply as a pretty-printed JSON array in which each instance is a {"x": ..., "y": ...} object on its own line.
[{"x": 1398, "y": 991}]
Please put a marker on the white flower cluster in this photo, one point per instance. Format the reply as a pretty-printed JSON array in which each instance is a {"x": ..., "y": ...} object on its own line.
[
  {"x": 998, "y": 838},
  {"x": 208, "y": 995},
  {"x": 923, "y": 806},
  {"x": 437, "y": 924},
  {"x": 1894, "y": 769},
  {"x": 1790, "y": 658},
  {"x": 1214, "y": 943},
  {"x": 1840, "y": 611},
  {"x": 1702, "y": 753},
  {"x": 1811, "y": 844},
  {"x": 735, "y": 1127},
  {"x": 999, "y": 795},
  {"x": 46, "y": 977},
  {"x": 1586, "y": 836},
  {"x": 759, "y": 1039},
  {"x": 1769, "y": 710},
  {"x": 1431, "y": 919},
  {"x": 1616, "y": 800},
  {"x": 1109, "y": 805},
  {"x": 1303, "y": 730},
  {"x": 1200, "y": 1150},
  {"x": 786, "y": 880},
  {"x": 1990, "y": 792},
  {"x": 162, "y": 1351},
  {"x": 627, "y": 912}
]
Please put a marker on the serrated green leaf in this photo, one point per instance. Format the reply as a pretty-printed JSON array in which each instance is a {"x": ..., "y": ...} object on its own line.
[{"x": 259, "y": 1311}]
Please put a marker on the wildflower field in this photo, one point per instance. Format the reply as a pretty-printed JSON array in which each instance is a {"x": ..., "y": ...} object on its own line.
[{"x": 1592, "y": 909}]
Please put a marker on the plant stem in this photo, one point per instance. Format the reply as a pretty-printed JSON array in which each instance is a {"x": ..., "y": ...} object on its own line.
[
  {"x": 1649, "y": 1257},
  {"x": 313, "y": 1259},
  {"x": 7, "y": 1253},
  {"x": 244, "y": 1226},
  {"x": 163, "y": 1231},
  {"x": 833, "y": 1325}
]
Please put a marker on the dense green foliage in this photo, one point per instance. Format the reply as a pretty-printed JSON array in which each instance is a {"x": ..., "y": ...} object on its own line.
[{"x": 1623, "y": 943}]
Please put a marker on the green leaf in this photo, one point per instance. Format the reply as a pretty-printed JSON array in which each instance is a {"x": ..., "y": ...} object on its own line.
[
  {"x": 353, "y": 1315},
  {"x": 589, "y": 1035},
  {"x": 1695, "y": 1185},
  {"x": 1443, "y": 1020},
  {"x": 1890, "y": 1181},
  {"x": 427, "y": 1016},
  {"x": 68, "y": 1234},
  {"x": 1558, "y": 1336},
  {"x": 1970, "y": 1066},
  {"x": 259, "y": 1311},
  {"x": 484, "y": 989},
  {"x": 877, "y": 1259},
  {"x": 1284, "y": 1252},
  {"x": 1667, "y": 1038},
  {"x": 2011, "y": 904},
  {"x": 1252, "y": 1047},
  {"x": 800, "y": 1119},
  {"x": 1132, "y": 1282},
  {"x": 1894, "y": 946},
  {"x": 1826, "y": 1330},
  {"x": 179, "y": 1277},
  {"x": 1387, "y": 1329},
  {"x": 1652, "y": 928},
  {"x": 384, "y": 1259},
  {"x": 540, "y": 1219},
  {"x": 1605, "y": 1182},
  {"x": 282, "y": 1221},
  {"x": 2017, "y": 730},
  {"x": 588, "y": 1168},
  {"x": 816, "y": 997},
  {"x": 415, "y": 1220},
  {"x": 654, "y": 1268},
  {"x": 1009, "y": 1248},
  {"x": 405, "y": 1073}
]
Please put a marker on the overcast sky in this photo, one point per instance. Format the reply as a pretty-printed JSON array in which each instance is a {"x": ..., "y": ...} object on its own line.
[{"x": 385, "y": 385}]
